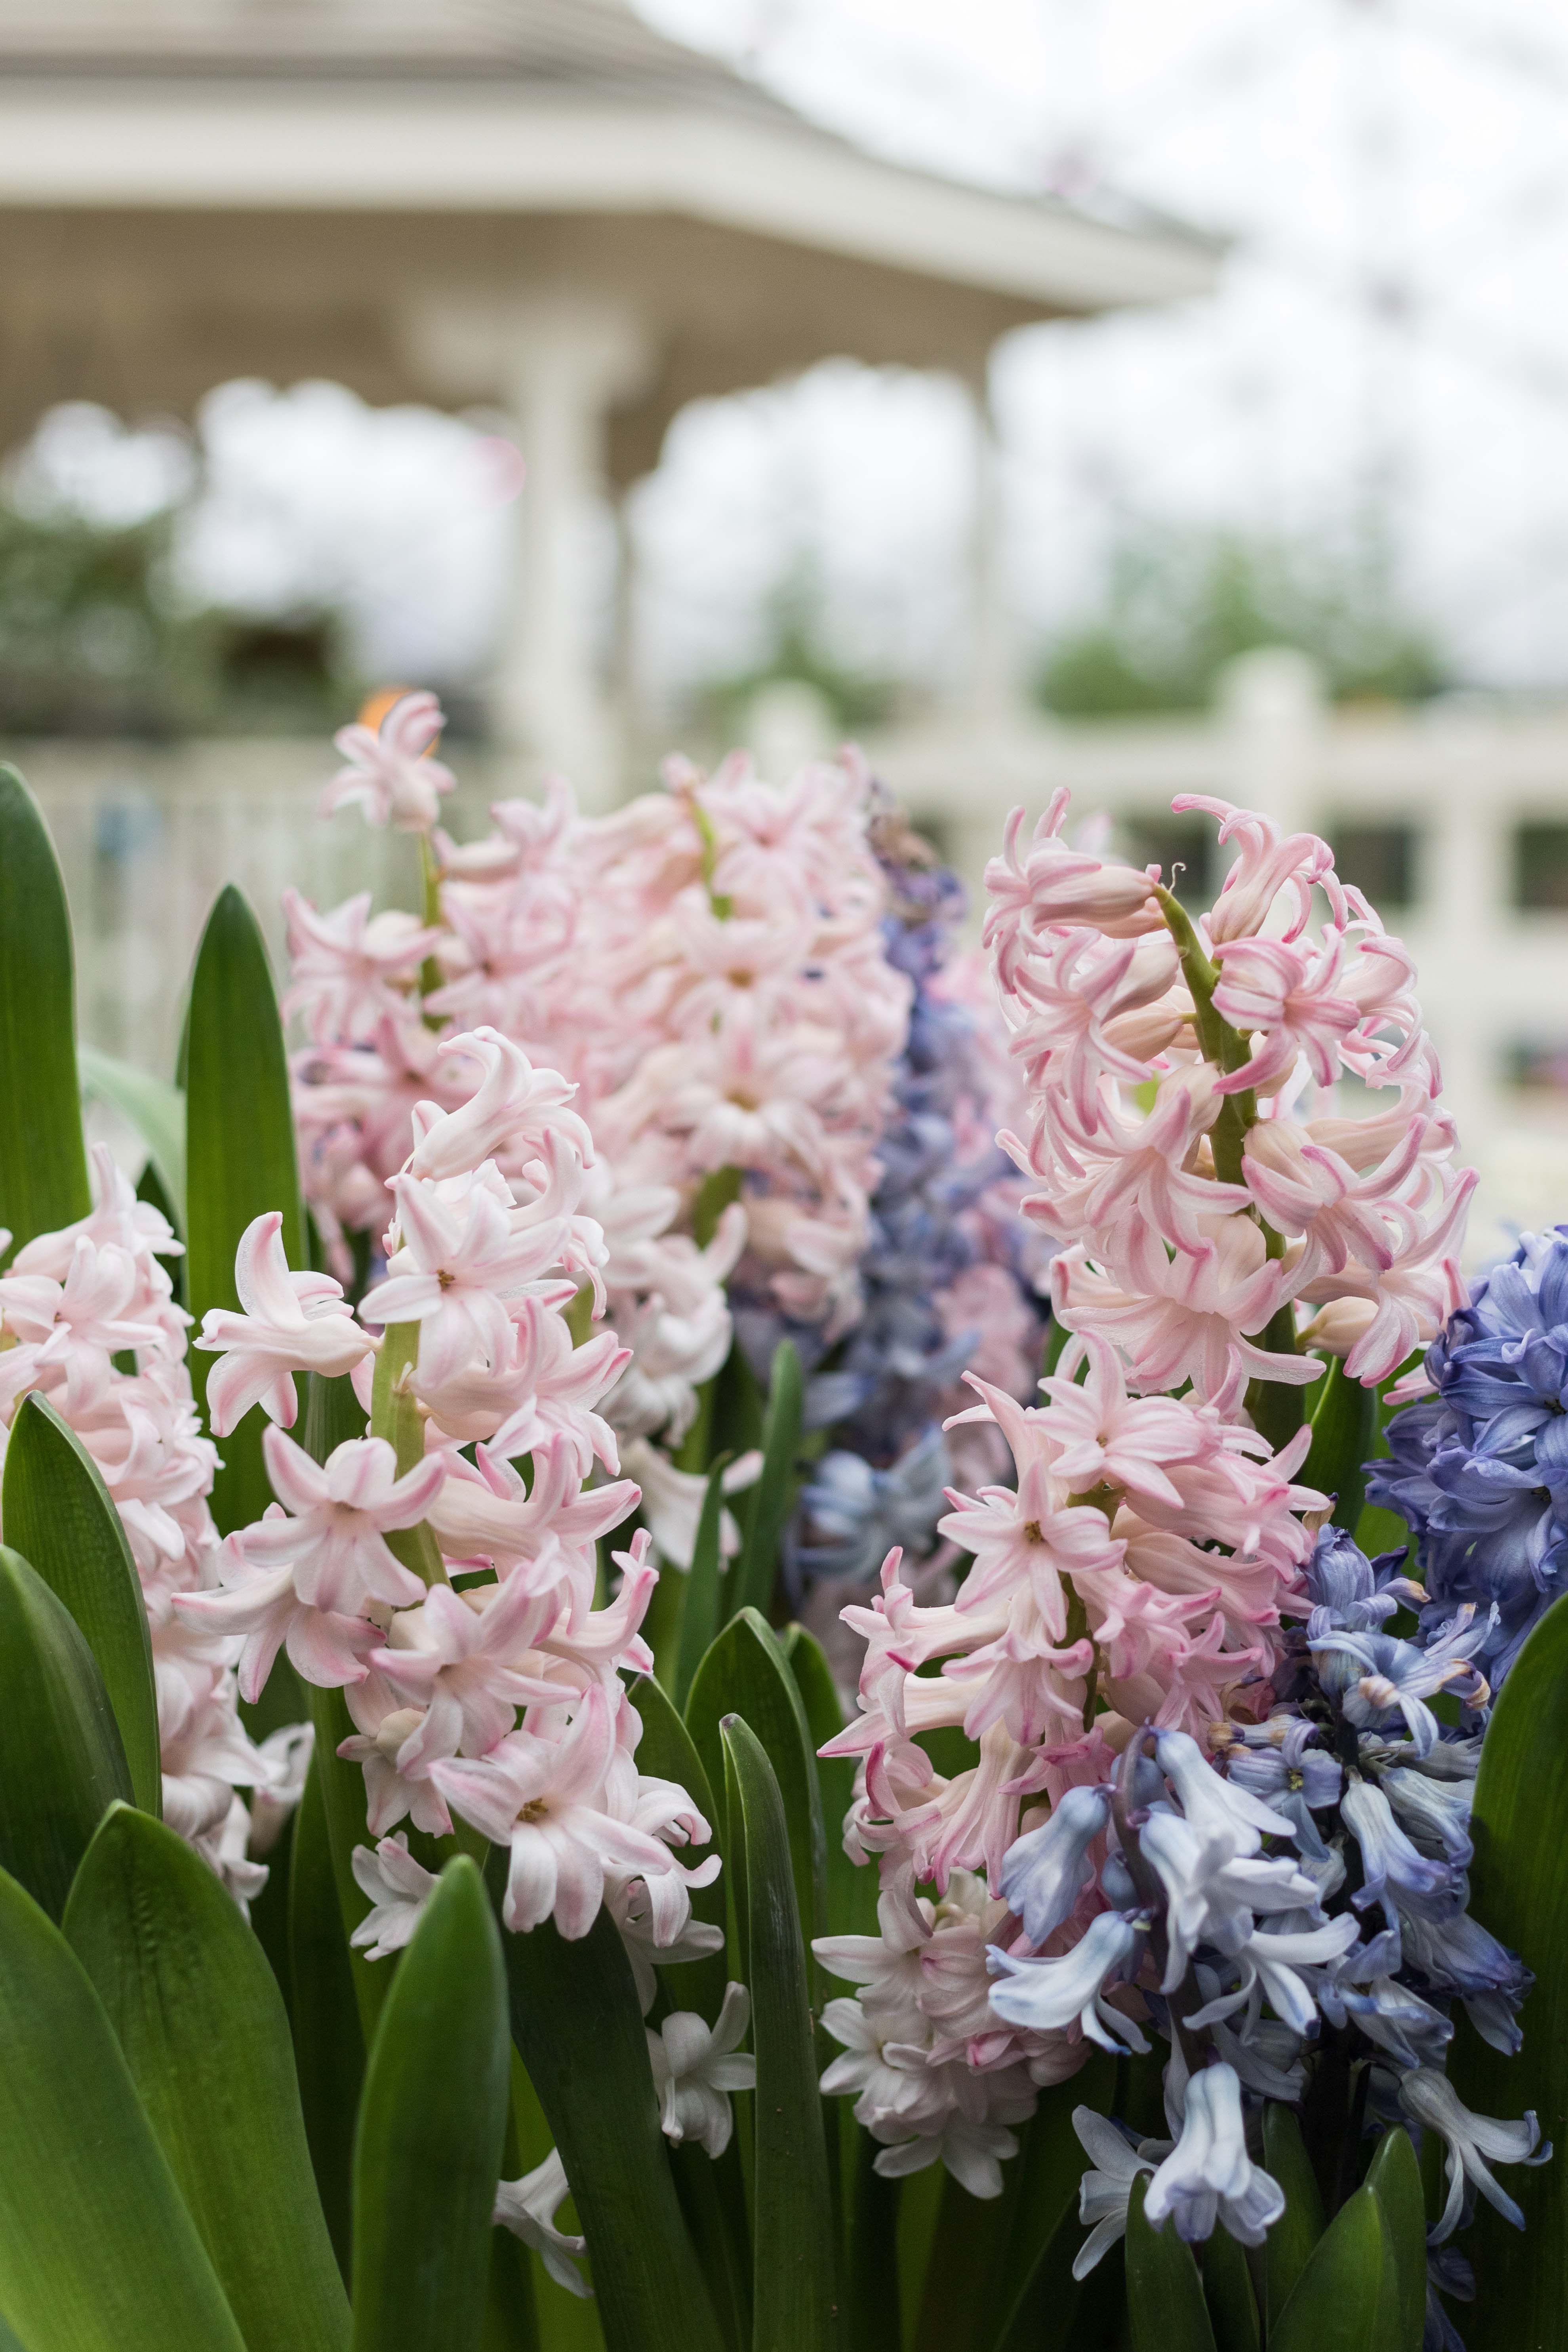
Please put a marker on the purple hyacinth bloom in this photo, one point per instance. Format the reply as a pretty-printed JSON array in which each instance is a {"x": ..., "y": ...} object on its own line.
[{"x": 1479, "y": 1471}]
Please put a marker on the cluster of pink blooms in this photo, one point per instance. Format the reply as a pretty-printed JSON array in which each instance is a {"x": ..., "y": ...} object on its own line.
[
  {"x": 1138, "y": 1570},
  {"x": 1164, "y": 1251},
  {"x": 501, "y": 1702},
  {"x": 704, "y": 967},
  {"x": 74, "y": 1304}
]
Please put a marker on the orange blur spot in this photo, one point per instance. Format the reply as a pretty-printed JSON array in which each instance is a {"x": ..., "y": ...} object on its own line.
[{"x": 373, "y": 709}]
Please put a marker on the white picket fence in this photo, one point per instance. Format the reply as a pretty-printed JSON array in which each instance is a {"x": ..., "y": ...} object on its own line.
[{"x": 148, "y": 835}]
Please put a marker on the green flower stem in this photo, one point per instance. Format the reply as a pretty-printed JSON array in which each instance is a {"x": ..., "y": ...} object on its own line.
[
  {"x": 1275, "y": 1406},
  {"x": 723, "y": 906},
  {"x": 1105, "y": 1499},
  {"x": 395, "y": 1415},
  {"x": 430, "y": 975},
  {"x": 1225, "y": 1047}
]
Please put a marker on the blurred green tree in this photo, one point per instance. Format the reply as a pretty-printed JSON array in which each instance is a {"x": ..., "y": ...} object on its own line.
[
  {"x": 1181, "y": 603},
  {"x": 94, "y": 640},
  {"x": 795, "y": 652}
]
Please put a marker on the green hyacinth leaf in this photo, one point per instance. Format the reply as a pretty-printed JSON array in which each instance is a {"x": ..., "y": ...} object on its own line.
[
  {"x": 58, "y": 1516},
  {"x": 154, "y": 1108},
  {"x": 1227, "y": 2290},
  {"x": 794, "y": 2286},
  {"x": 1394, "y": 2174},
  {"x": 201, "y": 2025},
  {"x": 97, "y": 2249},
  {"x": 43, "y": 1160},
  {"x": 329, "y": 2038},
  {"x": 745, "y": 1674},
  {"x": 752, "y": 1579},
  {"x": 665, "y": 1752},
  {"x": 702, "y": 1612},
  {"x": 1052, "y": 2165},
  {"x": 1520, "y": 1892},
  {"x": 1290, "y": 2243},
  {"x": 62, "y": 1761},
  {"x": 1344, "y": 1427},
  {"x": 1164, "y": 2294},
  {"x": 851, "y": 1888},
  {"x": 342, "y": 1795},
  {"x": 240, "y": 1159},
  {"x": 1347, "y": 2299},
  {"x": 431, "y": 2124},
  {"x": 578, "y": 2028}
]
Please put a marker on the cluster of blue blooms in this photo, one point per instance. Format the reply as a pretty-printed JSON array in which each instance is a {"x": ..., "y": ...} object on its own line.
[
  {"x": 1324, "y": 1876},
  {"x": 882, "y": 1483},
  {"x": 1479, "y": 1470}
]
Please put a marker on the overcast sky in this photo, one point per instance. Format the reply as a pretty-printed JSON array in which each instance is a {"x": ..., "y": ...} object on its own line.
[{"x": 1390, "y": 333}]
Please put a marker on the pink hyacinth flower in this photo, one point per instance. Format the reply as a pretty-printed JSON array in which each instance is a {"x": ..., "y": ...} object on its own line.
[
  {"x": 389, "y": 773},
  {"x": 546, "y": 1799},
  {"x": 290, "y": 1323}
]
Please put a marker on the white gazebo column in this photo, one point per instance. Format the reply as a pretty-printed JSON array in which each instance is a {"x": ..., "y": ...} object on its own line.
[
  {"x": 993, "y": 686},
  {"x": 556, "y": 367}
]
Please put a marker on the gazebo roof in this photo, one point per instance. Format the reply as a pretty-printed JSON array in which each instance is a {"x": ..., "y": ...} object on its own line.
[{"x": 191, "y": 190}]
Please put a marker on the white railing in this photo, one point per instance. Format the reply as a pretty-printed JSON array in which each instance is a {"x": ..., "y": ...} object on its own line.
[{"x": 148, "y": 835}]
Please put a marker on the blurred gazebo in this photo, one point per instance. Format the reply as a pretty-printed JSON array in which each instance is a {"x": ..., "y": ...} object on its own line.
[{"x": 542, "y": 206}]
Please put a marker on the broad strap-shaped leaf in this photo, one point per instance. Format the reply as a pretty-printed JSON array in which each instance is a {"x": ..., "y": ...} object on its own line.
[
  {"x": 58, "y": 1516},
  {"x": 868, "y": 2284},
  {"x": 1053, "y": 2164},
  {"x": 1227, "y": 2290},
  {"x": 851, "y": 1887},
  {"x": 665, "y": 1751},
  {"x": 1394, "y": 2174},
  {"x": 753, "y": 1576},
  {"x": 1164, "y": 2294},
  {"x": 431, "y": 2124},
  {"x": 955, "y": 2312},
  {"x": 793, "y": 2288},
  {"x": 200, "y": 2022},
  {"x": 96, "y": 2247},
  {"x": 240, "y": 1157},
  {"x": 1347, "y": 2298},
  {"x": 703, "y": 1608},
  {"x": 329, "y": 2038},
  {"x": 1520, "y": 1890},
  {"x": 1290, "y": 2243},
  {"x": 43, "y": 1160},
  {"x": 155, "y": 1109},
  {"x": 341, "y": 1786},
  {"x": 579, "y": 2030},
  {"x": 745, "y": 1674},
  {"x": 333, "y": 1414},
  {"x": 62, "y": 1761},
  {"x": 1344, "y": 1425}
]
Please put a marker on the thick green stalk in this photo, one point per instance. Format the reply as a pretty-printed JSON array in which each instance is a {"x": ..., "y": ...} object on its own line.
[
  {"x": 430, "y": 974},
  {"x": 1225, "y": 1047},
  {"x": 1274, "y": 1405},
  {"x": 395, "y": 1415}
]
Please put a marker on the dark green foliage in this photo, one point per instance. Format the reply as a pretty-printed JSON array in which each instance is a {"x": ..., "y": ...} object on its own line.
[
  {"x": 199, "y": 2019},
  {"x": 431, "y": 2121},
  {"x": 240, "y": 1140},
  {"x": 43, "y": 1161},
  {"x": 58, "y": 1515},
  {"x": 578, "y": 2028},
  {"x": 1520, "y": 1891},
  {"x": 794, "y": 2290},
  {"x": 1164, "y": 2294},
  {"x": 97, "y": 2249},
  {"x": 62, "y": 1761},
  {"x": 1347, "y": 2299}
]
